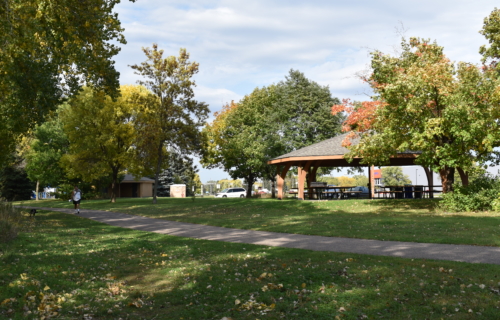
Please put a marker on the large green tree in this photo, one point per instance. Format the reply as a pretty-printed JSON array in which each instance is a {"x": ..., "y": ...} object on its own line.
[
  {"x": 49, "y": 48},
  {"x": 241, "y": 139},
  {"x": 174, "y": 122},
  {"x": 269, "y": 122},
  {"x": 302, "y": 113},
  {"x": 49, "y": 144},
  {"x": 101, "y": 133}
]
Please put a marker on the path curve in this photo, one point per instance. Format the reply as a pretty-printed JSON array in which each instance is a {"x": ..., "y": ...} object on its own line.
[{"x": 464, "y": 253}]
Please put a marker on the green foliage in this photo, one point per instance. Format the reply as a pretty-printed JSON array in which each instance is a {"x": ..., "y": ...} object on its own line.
[
  {"x": 49, "y": 49},
  {"x": 174, "y": 119},
  {"x": 394, "y": 176},
  {"x": 491, "y": 30},
  {"x": 302, "y": 113},
  {"x": 14, "y": 183},
  {"x": 64, "y": 191},
  {"x": 482, "y": 194},
  {"x": 361, "y": 180},
  {"x": 225, "y": 183},
  {"x": 496, "y": 203},
  {"x": 346, "y": 181},
  {"x": 46, "y": 149},
  {"x": 11, "y": 222}
]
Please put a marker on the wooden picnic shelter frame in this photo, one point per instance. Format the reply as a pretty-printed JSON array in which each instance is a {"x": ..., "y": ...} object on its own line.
[{"x": 330, "y": 153}]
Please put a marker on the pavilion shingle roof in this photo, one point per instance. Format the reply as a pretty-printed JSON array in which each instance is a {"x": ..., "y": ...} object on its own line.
[{"x": 329, "y": 147}]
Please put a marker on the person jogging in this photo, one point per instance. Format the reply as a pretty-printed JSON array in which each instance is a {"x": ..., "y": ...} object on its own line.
[{"x": 76, "y": 196}]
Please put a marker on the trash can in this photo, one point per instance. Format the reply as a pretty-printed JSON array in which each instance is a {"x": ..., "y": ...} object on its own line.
[
  {"x": 418, "y": 192},
  {"x": 408, "y": 192},
  {"x": 399, "y": 192}
]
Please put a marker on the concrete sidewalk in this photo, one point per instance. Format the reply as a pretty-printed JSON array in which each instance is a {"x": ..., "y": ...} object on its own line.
[{"x": 465, "y": 253}]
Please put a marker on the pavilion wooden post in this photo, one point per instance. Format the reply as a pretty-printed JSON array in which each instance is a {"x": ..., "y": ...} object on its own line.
[
  {"x": 371, "y": 182},
  {"x": 430, "y": 181},
  {"x": 281, "y": 181},
  {"x": 302, "y": 172},
  {"x": 311, "y": 178}
]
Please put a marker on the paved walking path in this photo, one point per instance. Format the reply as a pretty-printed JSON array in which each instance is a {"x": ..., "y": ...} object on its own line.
[{"x": 465, "y": 253}]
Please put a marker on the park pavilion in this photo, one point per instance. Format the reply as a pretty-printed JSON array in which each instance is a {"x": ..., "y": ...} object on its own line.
[{"x": 330, "y": 153}]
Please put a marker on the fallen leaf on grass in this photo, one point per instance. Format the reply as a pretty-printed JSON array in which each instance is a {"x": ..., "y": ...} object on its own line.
[{"x": 138, "y": 303}]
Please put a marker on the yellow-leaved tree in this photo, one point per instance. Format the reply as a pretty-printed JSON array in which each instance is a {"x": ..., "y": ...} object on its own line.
[{"x": 101, "y": 134}]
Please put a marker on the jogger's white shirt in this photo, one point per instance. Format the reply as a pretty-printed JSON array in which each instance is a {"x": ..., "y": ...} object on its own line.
[{"x": 77, "y": 195}]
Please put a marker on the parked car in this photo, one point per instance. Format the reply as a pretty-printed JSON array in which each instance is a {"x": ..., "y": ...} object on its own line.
[
  {"x": 263, "y": 191},
  {"x": 365, "y": 192},
  {"x": 231, "y": 193}
]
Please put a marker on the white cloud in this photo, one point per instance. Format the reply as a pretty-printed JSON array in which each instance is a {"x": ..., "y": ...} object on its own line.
[{"x": 215, "y": 98}]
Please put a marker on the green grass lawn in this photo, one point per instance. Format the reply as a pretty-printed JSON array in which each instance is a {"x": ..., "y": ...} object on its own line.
[
  {"x": 69, "y": 267},
  {"x": 399, "y": 220}
]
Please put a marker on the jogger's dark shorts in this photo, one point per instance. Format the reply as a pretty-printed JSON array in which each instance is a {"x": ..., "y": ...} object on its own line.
[{"x": 76, "y": 202}]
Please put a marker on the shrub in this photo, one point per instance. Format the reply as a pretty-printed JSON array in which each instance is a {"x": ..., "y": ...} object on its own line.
[
  {"x": 11, "y": 222},
  {"x": 480, "y": 195},
  {"x": 496, "y": 203},
  {"x": 64, "y": 191}
]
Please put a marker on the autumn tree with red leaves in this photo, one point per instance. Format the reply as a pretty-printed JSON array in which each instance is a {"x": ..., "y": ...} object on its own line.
[{"x": 424, "y": 102}]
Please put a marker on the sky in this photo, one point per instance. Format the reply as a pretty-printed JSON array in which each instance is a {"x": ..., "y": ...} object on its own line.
[{"x": 241, "y": 45}]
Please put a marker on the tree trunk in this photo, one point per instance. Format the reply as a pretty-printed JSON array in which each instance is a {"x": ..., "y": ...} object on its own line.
[
  {"x": 430, "y": 181},
  {"x": 157, "y": 172},
  {"x": 447, "y": 178},
  {"x": 464, "y": 176},
  {"x": 36, "y": 190},
  {"x": 114, "y": 185},
  {"x": 250, "y": 180}
]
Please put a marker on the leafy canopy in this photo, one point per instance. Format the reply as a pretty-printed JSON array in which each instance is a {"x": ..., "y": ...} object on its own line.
[
  {"x": 50, "y": 143},
  {"x": 49, "y": 50}
]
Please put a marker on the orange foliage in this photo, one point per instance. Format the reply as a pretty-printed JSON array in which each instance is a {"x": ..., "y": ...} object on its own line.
[{"x": 360, "y": 117}]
